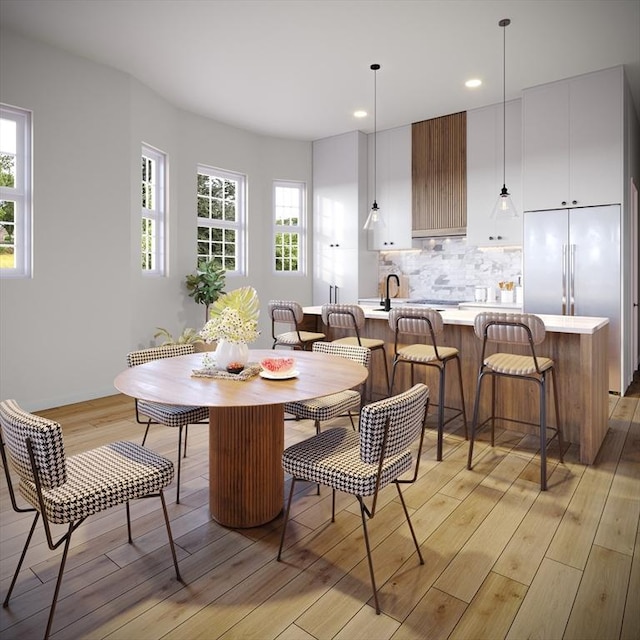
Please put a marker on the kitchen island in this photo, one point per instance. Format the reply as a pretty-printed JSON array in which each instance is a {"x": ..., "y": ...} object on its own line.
[{"x": 577, "y": 344}]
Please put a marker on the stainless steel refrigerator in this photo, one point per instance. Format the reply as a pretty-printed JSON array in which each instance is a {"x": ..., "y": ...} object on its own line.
[{"x": 571, "y": 266}]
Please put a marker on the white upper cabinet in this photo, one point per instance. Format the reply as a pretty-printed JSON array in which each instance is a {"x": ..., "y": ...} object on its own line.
[
  {"x": 343, "y": 268},
  {"x": 573, "y": 142},
  {"x": 393, "y": 188},
  {"x": 485, "y": 173}
]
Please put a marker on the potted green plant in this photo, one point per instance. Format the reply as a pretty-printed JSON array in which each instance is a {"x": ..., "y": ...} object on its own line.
[{"x": 206, "y": 285}]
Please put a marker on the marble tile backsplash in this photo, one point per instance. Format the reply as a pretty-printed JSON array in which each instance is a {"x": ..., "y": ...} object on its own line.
[{"x": 448, "y": 269}]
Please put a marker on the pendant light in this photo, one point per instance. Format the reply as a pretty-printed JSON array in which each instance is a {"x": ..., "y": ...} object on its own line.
[
  {"x": 504, "y": 207},
  {"x": 374, "y": 220}
]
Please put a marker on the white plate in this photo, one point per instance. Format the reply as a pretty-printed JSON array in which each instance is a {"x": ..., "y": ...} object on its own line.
[{"x": 279, "y": 376}]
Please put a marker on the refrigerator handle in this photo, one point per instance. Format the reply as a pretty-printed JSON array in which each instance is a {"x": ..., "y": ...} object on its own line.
[
  {"x": 572, "y": 275},
  {"x": 564, "y": 280}
]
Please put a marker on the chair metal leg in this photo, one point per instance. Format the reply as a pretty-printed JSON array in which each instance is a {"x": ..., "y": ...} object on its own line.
[
  {"x": 186, "y": 434},
  {"x": 464, "y": 412},
  {"x": 146, "y": 431},
  {"x": 59, "y": 581},
  {"x": 369, "y": 381},
  {"x": 286, "y": 518},
  {"x": 474, "y": 420},
  {"x": 369, "y": 558},
  {"x": 557, "y": 411},
  {"x": 171, "y": 543},
  {"x": 22, "y": 556},
  {"x": 543, "y": 434},
  {"x": 413, "y": 533},
  {"x": 317, "y": 424},
  {"x": 440, "y": 412},
  {"x": 393, "y": 376},
  {"x": 493, "y": 410},
  {"x": 386, "y": 366},
  {"x": 179, "y": 464},
  {"x": 128, "y": 510}
]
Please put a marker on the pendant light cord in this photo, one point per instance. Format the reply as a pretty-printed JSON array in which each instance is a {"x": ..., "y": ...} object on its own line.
[
  {"x": 374, "y": 68},
  {"x": 504, "y": 23},
  {"x": 504, "y": 104},
  {"x": 375, "y": 134}
]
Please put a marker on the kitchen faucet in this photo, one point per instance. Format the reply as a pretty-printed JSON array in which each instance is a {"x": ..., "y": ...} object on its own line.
[{"x": 387, "y": 300}]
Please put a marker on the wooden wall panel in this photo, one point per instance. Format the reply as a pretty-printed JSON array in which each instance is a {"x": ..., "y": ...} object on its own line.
[{"x": 439, "y": 174}]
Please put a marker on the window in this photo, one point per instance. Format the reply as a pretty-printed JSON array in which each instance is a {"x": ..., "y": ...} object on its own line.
[
  {"x": 15, "y": 192},
  {"x": 153, "y": 211},
  {"x": 288, "y": 205},
  {"x": 221, "y": 218}
]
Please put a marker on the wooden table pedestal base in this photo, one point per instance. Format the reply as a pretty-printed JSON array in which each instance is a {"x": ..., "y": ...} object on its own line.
[{"x": 245, "y": 464}]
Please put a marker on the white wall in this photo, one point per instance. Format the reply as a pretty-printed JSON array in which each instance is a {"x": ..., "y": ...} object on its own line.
[{"x": 65, "y": 332}]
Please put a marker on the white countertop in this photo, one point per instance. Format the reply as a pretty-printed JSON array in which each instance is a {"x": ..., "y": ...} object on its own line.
[
  {"x": 465, "y": 317},
  {"x": 507, "y": 306},
  {"x": 396, "y": 302}
]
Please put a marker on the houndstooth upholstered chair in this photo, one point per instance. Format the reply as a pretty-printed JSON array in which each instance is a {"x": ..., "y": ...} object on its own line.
[
  {"x": 179, "y": 416},
  {"x": 351, "y": 317},
  {"x": 67, "y": 491},
  {"x": 427, "y": 325},
  {"x": 336, "y": 404},
  {"x": 291, "y": 314},
  {"x": 362, "y": 463},
  {"x": 524, "y": 330}
]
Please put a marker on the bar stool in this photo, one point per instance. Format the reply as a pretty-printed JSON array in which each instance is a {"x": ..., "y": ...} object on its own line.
[
  {"x": 351, "y": 317},
  {"x": 291, "y": 314},
  {"x": 527, "y": 330},
  {"x": 428, "y": 325}
]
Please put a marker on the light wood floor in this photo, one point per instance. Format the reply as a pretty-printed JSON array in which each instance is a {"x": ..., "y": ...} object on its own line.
[{"x": 502, "y": 559}]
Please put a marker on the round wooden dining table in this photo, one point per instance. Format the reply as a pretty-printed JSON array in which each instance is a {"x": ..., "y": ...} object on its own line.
[{"x": 246, "y": 422}]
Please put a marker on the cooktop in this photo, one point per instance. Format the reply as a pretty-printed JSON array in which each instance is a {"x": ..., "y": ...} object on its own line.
[{"x": 435, "y": 303}]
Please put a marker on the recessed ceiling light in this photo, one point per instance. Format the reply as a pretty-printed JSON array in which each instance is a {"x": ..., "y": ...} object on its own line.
[
  {"x": 473, "y": 83},
  {"x": 360, "y": 114}
]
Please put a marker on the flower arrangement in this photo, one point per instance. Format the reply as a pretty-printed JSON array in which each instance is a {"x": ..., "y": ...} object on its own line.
[{"x": 233, "y": 317}]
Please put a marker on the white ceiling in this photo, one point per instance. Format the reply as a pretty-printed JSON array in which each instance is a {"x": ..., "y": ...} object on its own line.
[{"x": 299, "y": 68}]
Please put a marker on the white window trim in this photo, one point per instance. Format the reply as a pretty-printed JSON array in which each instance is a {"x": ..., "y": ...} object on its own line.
[
  {"x": 159, "y": 214},
  {"x": 21, "y": 193},
  {"x": 300, "y": 228},
  {"x": 239, "y": 225}
]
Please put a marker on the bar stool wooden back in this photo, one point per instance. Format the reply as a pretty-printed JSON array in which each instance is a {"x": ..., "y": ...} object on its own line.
[
  {"x": 427, "y": 325},
  {"x": 286, "y": 319},
  {"x": 525, "y": 330},
  {"x": 351, "y": 317}
]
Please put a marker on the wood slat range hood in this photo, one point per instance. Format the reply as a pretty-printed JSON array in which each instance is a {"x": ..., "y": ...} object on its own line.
[{"x": 439, "y": 176}]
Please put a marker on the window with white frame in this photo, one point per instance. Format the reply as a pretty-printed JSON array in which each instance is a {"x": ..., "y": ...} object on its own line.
[
  {"x": 221, "y": 218},
  {"x": 288, "y": 234},
  {"x": 15, "y": 192},
  {"x": 153, "y": 211}
]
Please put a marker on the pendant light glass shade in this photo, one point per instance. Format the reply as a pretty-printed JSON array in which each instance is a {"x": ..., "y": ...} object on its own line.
[
  {"x": 374, "y": 219},
  {"x": 504, "y": 207}
]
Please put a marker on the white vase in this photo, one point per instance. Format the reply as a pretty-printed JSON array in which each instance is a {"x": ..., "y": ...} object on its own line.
[{"x": 231, "y": 353}]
